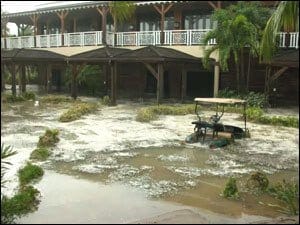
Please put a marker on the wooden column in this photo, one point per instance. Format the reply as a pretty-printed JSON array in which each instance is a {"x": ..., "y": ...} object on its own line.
[
  {"x": 74, "y": 24},
  {"x": 103, "y": 12},
  {"x": 49, "y": 78},
  {"x": 104, "y": 73},
  {"x": 178, "y": 19},
  {"x": 113, "y": 73},
  {"x": 216, "y": 79},
  {"x": 13, "y": 79},
  {"x": 62, "y": 15},
  {"x": 34, "y": 19},
  {"x": 22, "y": 79},
  {"x": 2, "y": 78},
  {"x": 215, "y": 7},
  {"x": 162, "y": 10},
  {"x": 160, "y": 82},
  {"x": 48, "y": 26},
  {"x": 183, "y": 83},
  {"x": 75, "y": 71}
]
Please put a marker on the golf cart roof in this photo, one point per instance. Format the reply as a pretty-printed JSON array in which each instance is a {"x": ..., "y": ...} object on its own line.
[{"x": 221, "y": 100}]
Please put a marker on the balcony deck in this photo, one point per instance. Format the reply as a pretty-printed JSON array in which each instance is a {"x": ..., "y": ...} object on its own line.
[{"x": 126, "y": 39}]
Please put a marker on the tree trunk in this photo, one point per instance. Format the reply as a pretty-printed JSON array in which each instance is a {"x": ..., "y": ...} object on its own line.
[
  {"x": 237, "y": 76},
  {"x": 242, "y": 70},
  {"x": 248, "y": 73}
]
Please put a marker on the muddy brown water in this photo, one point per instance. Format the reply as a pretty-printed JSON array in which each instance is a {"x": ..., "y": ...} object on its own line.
[{"x": 149, "y": 163}]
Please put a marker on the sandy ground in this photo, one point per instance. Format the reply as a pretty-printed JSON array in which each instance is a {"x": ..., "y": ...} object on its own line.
[{"x": 187, "y": 216}]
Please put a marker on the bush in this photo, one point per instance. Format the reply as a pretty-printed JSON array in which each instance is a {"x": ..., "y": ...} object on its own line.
[
  {"x": 9, "y": 98},
  {"x": 56, "y": 99},
  {"x": 29, "y": 173},
  {"x": 22, "y": 203},
  {"x": 150, "y": 113},
  {"x": 257, "y": 182},
  {"x": 29, "y": 95},
  {"x": 287, "y": 193},
  {"x": 254, "y": 113},
  {"x": 106, "y": 100},
  {"x": 49, "y": 138},
  {"x": 76, "y": 111},
  {"x": 40, "y": 154},
  {"x": 231, "y": 190}
]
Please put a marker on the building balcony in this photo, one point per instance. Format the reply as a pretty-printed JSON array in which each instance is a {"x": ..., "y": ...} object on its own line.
[{"x": 126, "y": 39}]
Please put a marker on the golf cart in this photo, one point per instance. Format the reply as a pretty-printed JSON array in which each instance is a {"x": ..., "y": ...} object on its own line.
[{"x": 213, "y": 131}]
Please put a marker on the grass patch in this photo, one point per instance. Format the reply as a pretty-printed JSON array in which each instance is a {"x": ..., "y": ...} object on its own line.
[
  {"x": 231, "y": 190},
  {"x": 49, "y": 139},
  {"x": 76, "y": 111},
  {"x": 150, "y": 113},
  {"x": 257, "y": 115},
  {"x": 287, "y": 193},
  {"x": 56, "y": 99},
  {"x": 105, "y": 100},
  {"x": 25, "y": 201},
  {"x": 40, "y": 154},
  {"x": 29, "y": 173},
  {"x": 9, "y": 98}
]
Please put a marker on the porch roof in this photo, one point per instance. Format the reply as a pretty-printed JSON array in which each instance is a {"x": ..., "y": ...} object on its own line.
[
  {"x": 288, "y": 58},
  {"x": 30, "y": 56},
  {"x": 100, "y": 54},
  {"x": 156, "y": 54}
]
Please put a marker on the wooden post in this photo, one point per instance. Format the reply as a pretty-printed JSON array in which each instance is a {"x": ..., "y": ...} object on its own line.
[
  {"x": 2, "y": 79},
  {"x": 178, "y": 19},
  {"x": 183, "y": 83},
  {"x": 162, "y": 11},
  {"x": 49, "y": 78},
  {"x": 104, "y": 73},
  {"x": 74, "y": 82},
  {"x": 62, "y": 15},
  {"x": 113, "y": 73},
  {"x": 216, "y": 79},
  {"x": 22, "y": 79},
  {"x": 4, "y": 34},
  {"x": 13, "y": 79},
  {"x": 103, "y": 12},
  {"x": 160, "y": 83},
  {"x": 48, "y": 26},
  {"x": 74, "y": 24},
  {"x": 34, "y": 19}
]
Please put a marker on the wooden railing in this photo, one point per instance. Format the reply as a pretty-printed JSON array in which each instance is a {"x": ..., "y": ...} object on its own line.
[{"x": 139, "y": 38}]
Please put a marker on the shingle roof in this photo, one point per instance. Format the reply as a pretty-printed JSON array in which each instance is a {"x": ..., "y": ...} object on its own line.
[
  {"x": 154, "y": 53},
  {"x": 288, "y": 57},
  {"x": 30, "y": 55},
  {"x": 100, "y": 54}
]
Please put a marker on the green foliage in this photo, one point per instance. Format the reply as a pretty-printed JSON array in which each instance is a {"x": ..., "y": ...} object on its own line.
[
  {"x": 150, "y": 113},
  {"x": 29, "y": 173},
  {"x": 231, "y": 190},
  {"x": 29, "y": 95},
  {"x": 49, "y": 139},
  {"x": 9, "y": 98},
  {"x": 76, "y": 111},
  {"x": 22, "y": 203},
  {"x": 6, "y": 151},
  {"x": 257, "y": 182},
  {"x": 287, "y": 193},
  {"x": 254, "y": 113},
  {"x": 40, "y": 154},
  {"x": 145, "y": 115},
  {"x": 56, "y": 99},
  {"x": 106, "y": 100}
]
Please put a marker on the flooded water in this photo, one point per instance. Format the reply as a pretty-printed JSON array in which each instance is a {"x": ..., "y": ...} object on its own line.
[{"x": 124, "y": 157}]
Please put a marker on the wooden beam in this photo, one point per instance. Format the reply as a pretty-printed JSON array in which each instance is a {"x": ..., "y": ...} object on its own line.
[
  {"x": 113, "y": 73},
  {"x": 23, "y": 78},
  {"x": 62, "y": 15},
  {"x": 162, "y": 11},
  {"x": 49, "y": 78},
  {"x": 160, "y": 83},
  {"x": 219, "y": 5},
  {"x": 212, "y": 4},
  {"x": 278, "y": 73},
  {"x": 12, "y": 69},
  {"x": 151, "y": 69}
]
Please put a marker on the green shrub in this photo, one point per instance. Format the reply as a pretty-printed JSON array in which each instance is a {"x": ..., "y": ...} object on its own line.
[
  {"x": 106, "y": 100},
  {"x": 25, "y": 201},
  {"x": 29, "y": 95},
  {"x": 257, "y": 182},
  {"x": 254, "y": 113},
  {"x": 40, "y": 154},
  {"x": 49, "y": 138},
  {"x": 145, "y": 115},
  {"x": 56, "y": 99},
  {"x": 231, "y": 190},
  {"x": 9, "y": 98},
  {"x": 29, "y": 173},
  {"x": 227, "y": 93},
  {"x": 76, "y": 111},
  {"x": 287, "y": 193}
]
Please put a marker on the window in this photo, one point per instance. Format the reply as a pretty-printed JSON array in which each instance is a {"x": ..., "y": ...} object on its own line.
[{"x": 199, "y": 22}]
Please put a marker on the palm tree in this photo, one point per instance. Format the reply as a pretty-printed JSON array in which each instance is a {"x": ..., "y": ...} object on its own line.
[
  {"x": 285, "y": 17},
  {"x": 5, "y": 153},
  {"x": 121, "y": 11}
]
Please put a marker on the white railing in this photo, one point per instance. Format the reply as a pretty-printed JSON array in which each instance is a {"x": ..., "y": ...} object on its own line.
[
  {"x": 293, "y": 40},
  {"x": 142, "y": 38}
]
